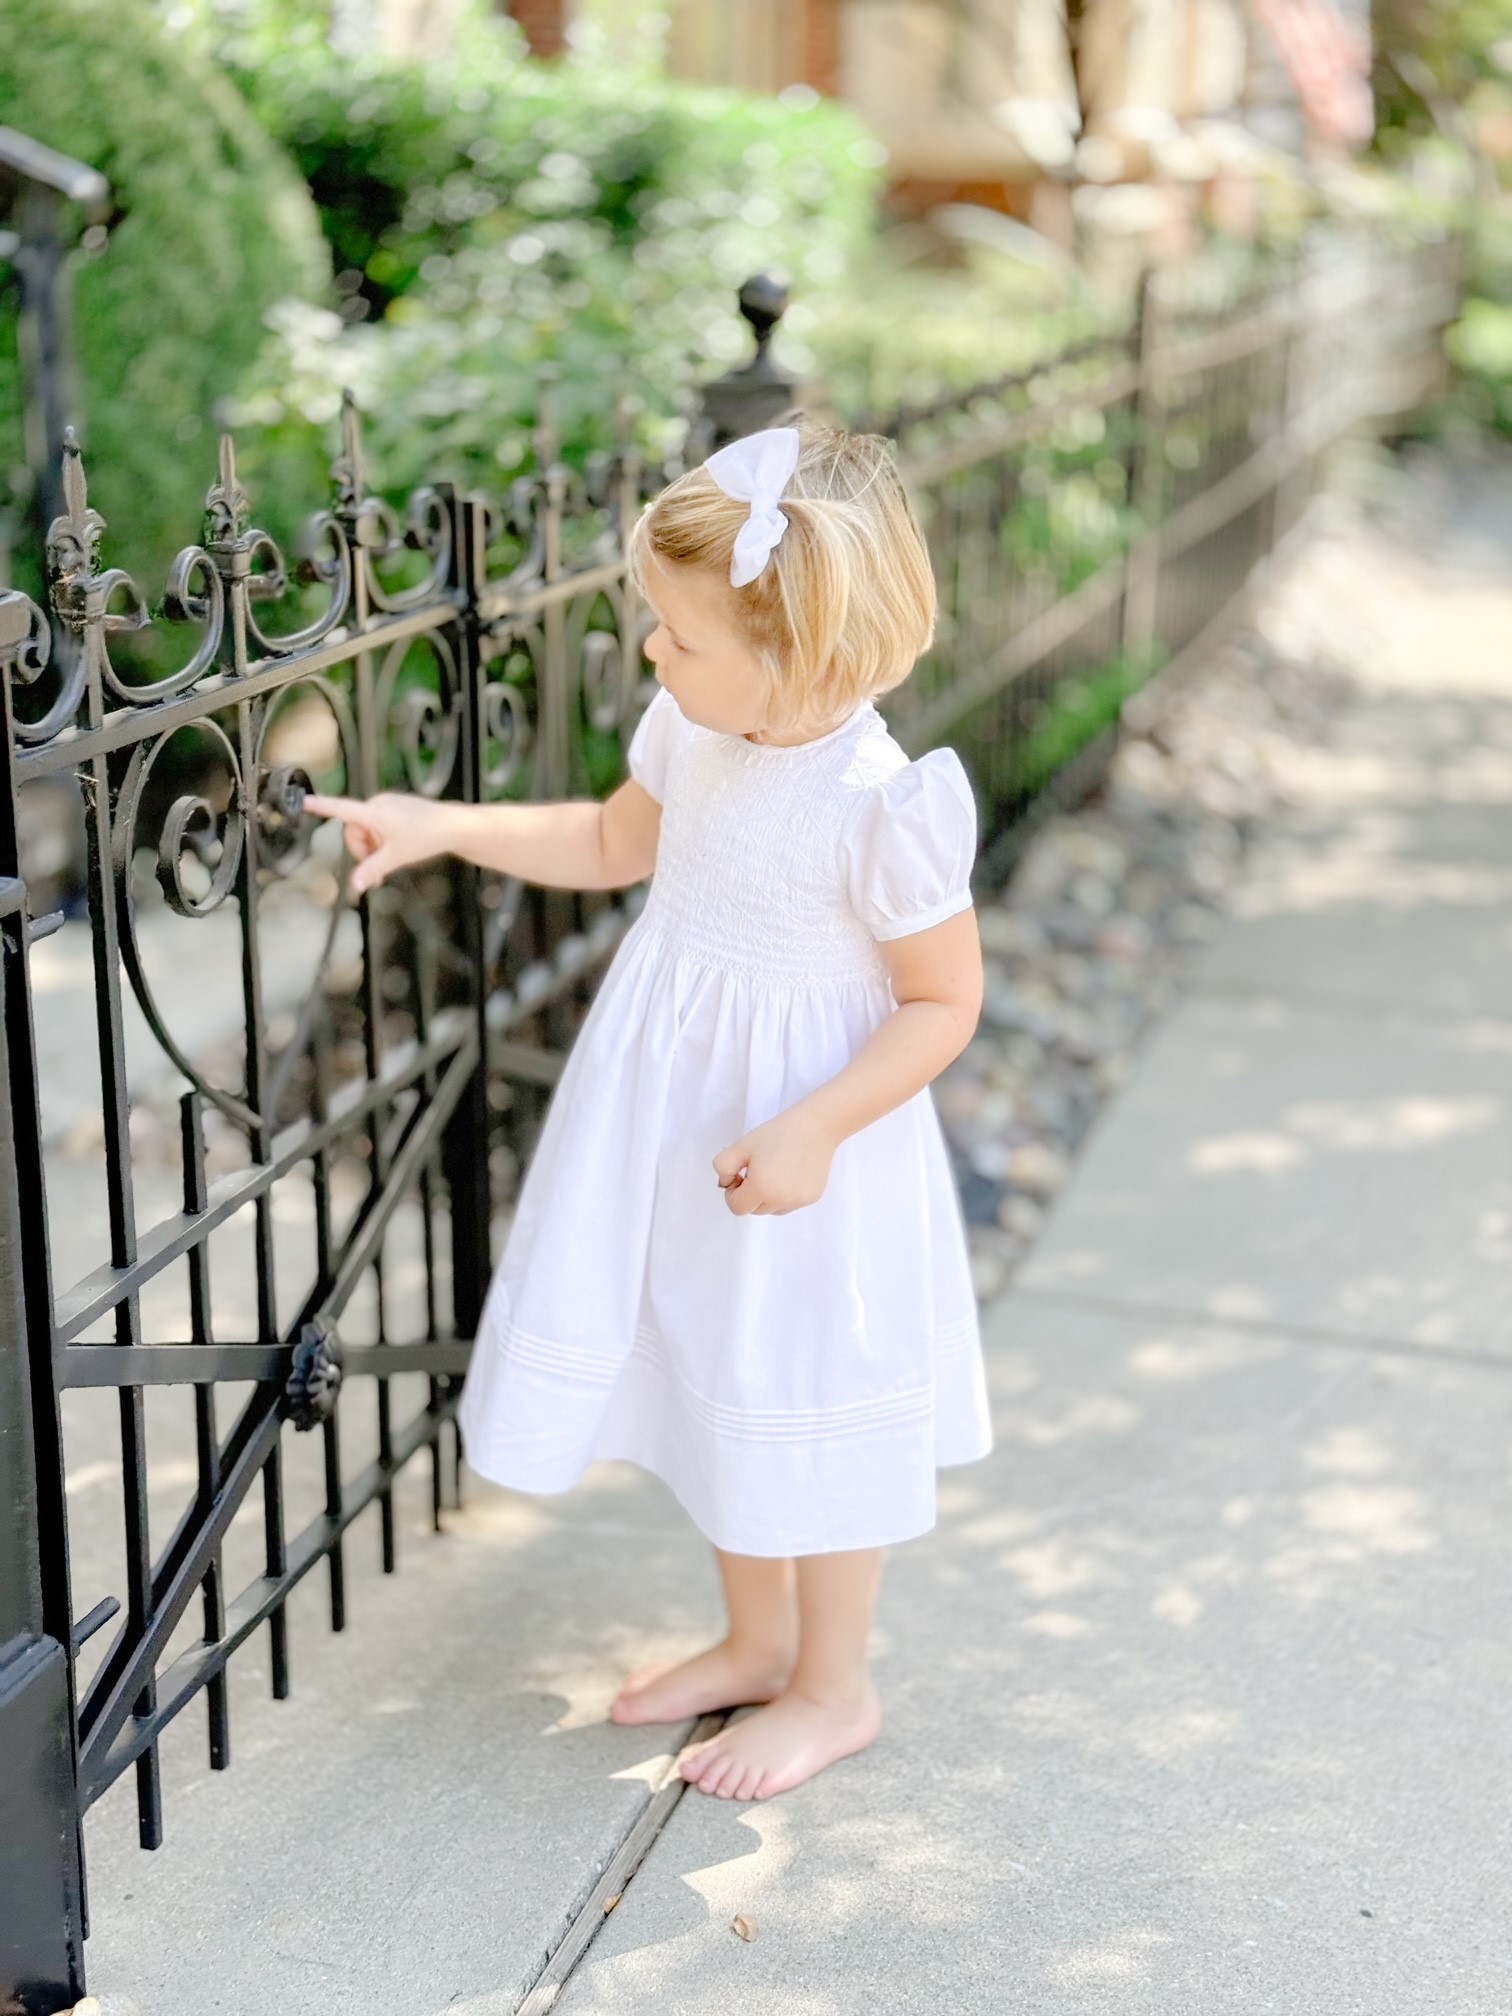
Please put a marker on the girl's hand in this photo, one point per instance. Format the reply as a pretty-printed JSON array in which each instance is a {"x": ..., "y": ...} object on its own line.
[
  {"x": 390, "y": 830},
  {"x": 786, "y": 1163}
]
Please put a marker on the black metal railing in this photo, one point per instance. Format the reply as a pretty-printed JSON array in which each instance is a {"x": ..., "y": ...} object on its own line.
[
  {"x": 1100, "y": 514},
  {"x": 384, "y": 1084}
]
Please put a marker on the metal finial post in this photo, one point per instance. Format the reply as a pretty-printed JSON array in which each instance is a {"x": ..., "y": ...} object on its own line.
[
  {"x": 753, "y": 394},
  {"x": 37, "y": 186}
]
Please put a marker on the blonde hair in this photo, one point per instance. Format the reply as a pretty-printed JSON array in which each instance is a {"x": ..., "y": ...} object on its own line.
[{"x": 845, "y": 605}]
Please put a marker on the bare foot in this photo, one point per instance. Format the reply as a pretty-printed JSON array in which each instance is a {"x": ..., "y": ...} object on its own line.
[
  {"x": 726, "y": 1676},
  {"x": 781, "y": 1745}
]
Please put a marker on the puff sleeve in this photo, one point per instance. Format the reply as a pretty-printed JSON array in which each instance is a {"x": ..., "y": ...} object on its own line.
[
  {"x": 651, "y": 744},
  {"x": 909, "y": 845}
]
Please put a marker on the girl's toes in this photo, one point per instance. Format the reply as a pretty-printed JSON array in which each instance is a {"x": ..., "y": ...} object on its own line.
[
  {"x": 719, "y": 1777},
  {"x": 697, "y": 1762},
  {"x": 716, "y": 1780},
  {"x": 749, "y": 1779}
]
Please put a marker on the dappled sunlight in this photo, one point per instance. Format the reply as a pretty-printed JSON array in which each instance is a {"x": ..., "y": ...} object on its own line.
[
  {"x": 1449, "y": 641},
  {"x": 996, "y": 1527},
  {"x": 1329, "y": 780},
  {"x": 506, "y": 1517},
  {"x": 1168, "y": 1737},
  {"x": 1054, "y": 1569},
  {"x": 1090, "y": 1414},
  {"x": 1349, "y": 1451},
  {"x": 1490, "y": 1234},
  {"x": 1373, "y": 1519},
  {"x": 1177, "y": 1605},
  {"x": 1169, "y": 1357},
  {"x": 1055, "y": 1624},
  {"x": 1389, "y": 1125},
  {"x": 1389, "y": 883},
  {"x": 1238, "y": 1304},
  {"x": 648, "y": 1771},
  {"x": 1268, "y": 1153},
  {"x": 1126, "y": 1959}
]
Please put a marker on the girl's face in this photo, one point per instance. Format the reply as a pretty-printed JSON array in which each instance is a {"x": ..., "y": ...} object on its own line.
[{"x": 704, "y": 665}]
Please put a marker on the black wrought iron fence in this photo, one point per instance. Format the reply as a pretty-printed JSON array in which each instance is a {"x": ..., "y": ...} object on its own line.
[
  {"x": 347, "y": 1157},
  {"x": 1097, "y": 516}
]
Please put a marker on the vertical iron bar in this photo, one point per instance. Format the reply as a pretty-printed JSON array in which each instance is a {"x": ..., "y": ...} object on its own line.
[
  {"x": 464, "y": 1147},
  {"x": 375, "y": 942},
  {"x": 1142, "y": 567},
  {"x": 98, "y": 781},
  {"x": 206, "y": 1439},
  {"x": 43, "y": 334},
  {"x": 320, "y": 1176},
  {"x": 425, "y": 983},
  {"x": 260, "y": 1136}
]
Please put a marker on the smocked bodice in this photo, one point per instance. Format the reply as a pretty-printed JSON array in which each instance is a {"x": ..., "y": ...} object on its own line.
[
  {"x": 749, "y": 872},
  {"x": 791, "y": 864}
]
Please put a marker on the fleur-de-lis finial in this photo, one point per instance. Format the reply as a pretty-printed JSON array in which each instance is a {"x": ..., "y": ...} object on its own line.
[
  {"x": 227, "y": 507},
  {"x": 73, "y": 540}
]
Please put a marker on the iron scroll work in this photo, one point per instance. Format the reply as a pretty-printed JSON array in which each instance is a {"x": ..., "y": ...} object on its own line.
[{"x": 459, "y": 651}]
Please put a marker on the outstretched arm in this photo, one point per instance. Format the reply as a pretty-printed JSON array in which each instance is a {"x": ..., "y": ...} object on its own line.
[{"x": 578, "y": 843}]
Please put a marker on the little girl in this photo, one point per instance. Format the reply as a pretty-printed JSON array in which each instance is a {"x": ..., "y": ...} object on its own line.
[{"x": 738, "y": 1257}]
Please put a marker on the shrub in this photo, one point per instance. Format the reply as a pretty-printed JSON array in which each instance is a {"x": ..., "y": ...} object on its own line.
[{"x": 212, "y": 225}]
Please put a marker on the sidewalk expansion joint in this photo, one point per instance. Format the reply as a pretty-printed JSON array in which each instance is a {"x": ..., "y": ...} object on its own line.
[
  {"x": 583, "y": 1927},
  {"x": 1257, "y": 1326}
]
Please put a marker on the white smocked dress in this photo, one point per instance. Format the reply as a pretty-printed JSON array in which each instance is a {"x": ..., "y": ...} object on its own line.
[{"x": 795, "y": 1378}]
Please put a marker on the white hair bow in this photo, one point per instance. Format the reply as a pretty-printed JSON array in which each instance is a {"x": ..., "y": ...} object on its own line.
[{"x": 755, "y": 469}]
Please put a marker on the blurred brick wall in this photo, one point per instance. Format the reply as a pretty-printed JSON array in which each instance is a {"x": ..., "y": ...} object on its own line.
[
  {"x": 544, "y": 23},
  {"x": 821, "y": 46}
]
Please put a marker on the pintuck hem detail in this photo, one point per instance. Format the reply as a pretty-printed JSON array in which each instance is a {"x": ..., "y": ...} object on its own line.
[
  {"x": 752, "y": 1424},
  {"x": 822, "y": 1491}
]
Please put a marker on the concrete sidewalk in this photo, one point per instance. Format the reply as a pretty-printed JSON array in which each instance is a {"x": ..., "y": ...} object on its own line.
[{"x": 1197, "y": 1696}]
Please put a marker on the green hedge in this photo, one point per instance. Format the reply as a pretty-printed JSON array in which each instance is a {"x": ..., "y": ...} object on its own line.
[{"x": 213, "y": 224}]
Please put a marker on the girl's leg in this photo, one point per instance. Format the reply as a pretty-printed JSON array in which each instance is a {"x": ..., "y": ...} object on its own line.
[
  {"x": 752, "y": 1662},
  {"x": 829, "y": 1708}
]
